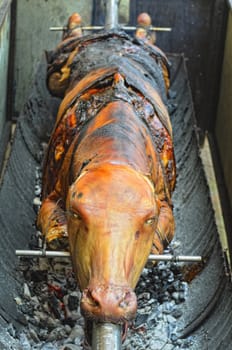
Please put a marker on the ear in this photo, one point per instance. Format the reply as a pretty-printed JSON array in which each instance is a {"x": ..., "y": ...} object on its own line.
[{"x": 165, "y": 229}]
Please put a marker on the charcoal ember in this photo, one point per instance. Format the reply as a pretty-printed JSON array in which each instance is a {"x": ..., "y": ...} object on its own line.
[
  {"x": 77, "y": 334},
  {"x": 43, "y": 265},
  {"x": 43, "y": 333},
  {"x": 175, "y": 339},
  {"x": 176, "y": 285},
  {"x": 38, "y": 276},
  {"x": 45, "y": 321},
  {"x": 11, "y": 330},
  {"x": 22, "y": 318},
  {"x": 184, "y": 288},
  {"x": 48, "y": 346},
  {"x": 177, "y": 313},
  {"x": 37, "y": 190},
  {"x": 145, "y": 295},
  {"x": 35, "y": 302},
  {"x": 33, "y": 335},
  {"x": 171, "y": 277},
  {"x": 24, "y": 265},
  {"x": 167, "y": 308},
  {"x": 168, "y": 346},
  {"x": 54, "y": 306},
  {"x": 36, "y": 240},
  {"x": 59, "y": 267},
  {"x": 73, "y": 301},
  {"x": 157, "y": 343},
  {"x": 170, "y": 319},
  {"x": 182, "y": 297},
  {"x": 163, "y": 296},
  {"x": 71, "y": 282},
  {"x": 151, "y": 302},
  {"x": 152, "y": 320},
  {"x": 71, "y": 304},
  {"x": 26, "y": 291},
  {"x": 26, "y": 308},
  {"x": 34, "y": 320},
  {"x": 141, "y": 320},
  {"x": 57, "y": 289},
  {"x": 72, "y": 347},
  {"x": 178, "y": 297},
  {"x": 24, "y": 342},
  {"x": 57, "y": 333}
]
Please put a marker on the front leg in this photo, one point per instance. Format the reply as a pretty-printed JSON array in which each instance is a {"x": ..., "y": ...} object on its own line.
[
  {"x": 52, "y": 222},
  {"x": 165, "y": 229}
]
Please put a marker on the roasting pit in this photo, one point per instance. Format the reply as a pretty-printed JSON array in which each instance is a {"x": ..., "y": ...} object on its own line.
[{"x": 173, "y": 314}]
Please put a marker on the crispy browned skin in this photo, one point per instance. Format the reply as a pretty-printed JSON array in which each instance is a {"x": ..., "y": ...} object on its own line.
[{"x": 110, "y": 169}]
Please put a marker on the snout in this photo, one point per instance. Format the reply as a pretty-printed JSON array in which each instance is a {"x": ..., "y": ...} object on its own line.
[{"x": 116, "y": 304}]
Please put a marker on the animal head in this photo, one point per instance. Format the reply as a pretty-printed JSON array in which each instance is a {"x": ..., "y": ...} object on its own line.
[{"x": 112, "y": 216}]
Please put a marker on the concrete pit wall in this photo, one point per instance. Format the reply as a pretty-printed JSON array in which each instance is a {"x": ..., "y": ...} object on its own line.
[
  {"x": 32, "y": 37},
  {"x": 223, "y": 129},
  {"x": 4, "y": 54},
  {"x": 5, "y": 19}
]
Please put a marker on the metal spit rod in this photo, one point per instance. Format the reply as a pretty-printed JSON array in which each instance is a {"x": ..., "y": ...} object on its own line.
[
  {"x": 152, "y": 257},
  {"x": 128, "y": 28},
  {"x": 106, "y": 336},
  {"x": 111, "y": 20}
]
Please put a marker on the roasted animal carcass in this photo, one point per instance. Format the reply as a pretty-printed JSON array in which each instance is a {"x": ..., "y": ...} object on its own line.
[{"x": 109, "y": 171}]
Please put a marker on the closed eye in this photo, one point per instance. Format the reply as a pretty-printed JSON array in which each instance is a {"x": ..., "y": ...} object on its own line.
[
  {"x": 74, "y": 215},
  {"x": 151, "y": 221}
]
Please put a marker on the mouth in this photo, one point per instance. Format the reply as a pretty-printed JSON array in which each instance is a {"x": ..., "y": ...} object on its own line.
[{"x": 106, "y": 318}]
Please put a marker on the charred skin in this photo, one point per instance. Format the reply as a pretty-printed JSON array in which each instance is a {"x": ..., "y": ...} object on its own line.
[{"x": 110, "y": 170}]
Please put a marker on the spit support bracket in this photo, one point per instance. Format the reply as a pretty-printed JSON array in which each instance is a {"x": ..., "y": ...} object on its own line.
[{"x": 42, "y": 253}]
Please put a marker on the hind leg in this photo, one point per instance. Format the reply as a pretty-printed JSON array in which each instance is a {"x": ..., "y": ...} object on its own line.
[{"x": 52, "y": 222}]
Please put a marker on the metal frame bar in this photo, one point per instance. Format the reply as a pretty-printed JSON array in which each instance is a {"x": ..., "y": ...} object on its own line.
[
  {"x": 62, "y": 254},
  {"x": 127, "y": 28}
]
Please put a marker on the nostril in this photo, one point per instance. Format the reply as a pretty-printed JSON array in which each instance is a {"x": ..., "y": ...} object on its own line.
[
  {"x": 91, "y": 299},
  {"x": 125, "y": 302}
]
